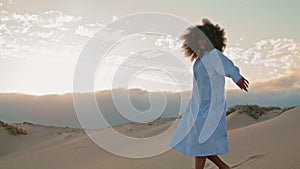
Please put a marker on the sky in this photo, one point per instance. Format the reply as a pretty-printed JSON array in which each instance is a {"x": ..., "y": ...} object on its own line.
[{"x": 41, "y": 42}]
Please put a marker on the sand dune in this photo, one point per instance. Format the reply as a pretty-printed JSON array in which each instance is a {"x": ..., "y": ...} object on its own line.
[
  {"x": 237, "y": 119},
  {"x": 270, "y": 144},
  {"x": 74, "y": 149}
]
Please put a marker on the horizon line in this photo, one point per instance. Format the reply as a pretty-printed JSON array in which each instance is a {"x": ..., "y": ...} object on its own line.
[{"x": 84, "y": 92}]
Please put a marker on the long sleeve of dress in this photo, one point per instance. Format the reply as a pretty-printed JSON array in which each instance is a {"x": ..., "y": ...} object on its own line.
[{"x": 230, "y": 70}]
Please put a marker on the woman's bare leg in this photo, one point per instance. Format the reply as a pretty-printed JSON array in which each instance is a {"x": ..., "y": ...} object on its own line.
[
  {"x": 217, "y": 160},
  {"x": 200, "y": 162}
]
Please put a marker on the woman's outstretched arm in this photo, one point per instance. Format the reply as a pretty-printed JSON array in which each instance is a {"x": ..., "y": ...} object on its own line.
[{"x": 233, "y": 72}]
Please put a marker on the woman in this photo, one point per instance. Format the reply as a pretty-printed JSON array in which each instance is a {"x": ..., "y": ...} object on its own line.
[{"x": 201, "y": 131}]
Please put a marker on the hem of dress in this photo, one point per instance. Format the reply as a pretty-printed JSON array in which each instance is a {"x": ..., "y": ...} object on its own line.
[{"x": 207, "y": 154}]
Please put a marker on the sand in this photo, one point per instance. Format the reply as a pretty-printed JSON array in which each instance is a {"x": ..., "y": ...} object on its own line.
[
  {"x": 237, "y": 119},
  {"x": 268, "y": 144}
]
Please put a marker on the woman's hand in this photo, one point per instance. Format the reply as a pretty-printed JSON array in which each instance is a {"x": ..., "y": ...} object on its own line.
[{"x": 243, "y": 84}]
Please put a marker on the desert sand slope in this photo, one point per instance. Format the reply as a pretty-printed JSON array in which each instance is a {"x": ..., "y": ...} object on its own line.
[
  {"x": 38, "y": 136},
  {"x": 238, "y": 119},
  {"x": 270, "y": 144},
  {"x": 73, "y": 149}
]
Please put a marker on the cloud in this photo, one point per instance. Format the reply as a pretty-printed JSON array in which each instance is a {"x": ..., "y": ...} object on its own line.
[
  {"x": 270, "y": 53},
  {"x": 55, "y": 19},
  {"x": 53, "y": 36},
  {"x": 288, "y": 82},
  {"x": 151, "y": 53},
  {"x": 16, "y": 22},
  {"x": 88, "y": 30},
  {"x": 168, "y": 42},
  {"x": 37, "y": 36},
  {"x": 281, "y": 91},
  {"x": 264, "y": 59}
]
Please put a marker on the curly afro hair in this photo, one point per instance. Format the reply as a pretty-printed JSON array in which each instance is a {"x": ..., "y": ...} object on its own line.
[{"x": 214, "y": 34}]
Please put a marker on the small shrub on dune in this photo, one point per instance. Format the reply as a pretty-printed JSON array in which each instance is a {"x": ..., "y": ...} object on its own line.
[
  {"x": 13, "y": 130},
  {"x": 253, "y": 111}
]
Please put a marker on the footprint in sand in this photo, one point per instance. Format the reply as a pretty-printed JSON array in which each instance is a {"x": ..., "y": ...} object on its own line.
[
  {"x": 69, "y": 136},
  {"x": 248, "y": 160}
]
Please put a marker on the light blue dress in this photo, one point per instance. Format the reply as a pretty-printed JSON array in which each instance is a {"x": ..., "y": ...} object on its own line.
[{"x": 202, "y": 129}]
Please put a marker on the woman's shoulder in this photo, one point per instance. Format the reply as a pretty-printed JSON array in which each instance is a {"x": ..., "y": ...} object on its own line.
[{"x": 214, "y": 52}]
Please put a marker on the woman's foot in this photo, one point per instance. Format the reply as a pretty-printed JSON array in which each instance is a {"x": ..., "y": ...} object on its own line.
[{"x": 218, "y": 161}]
